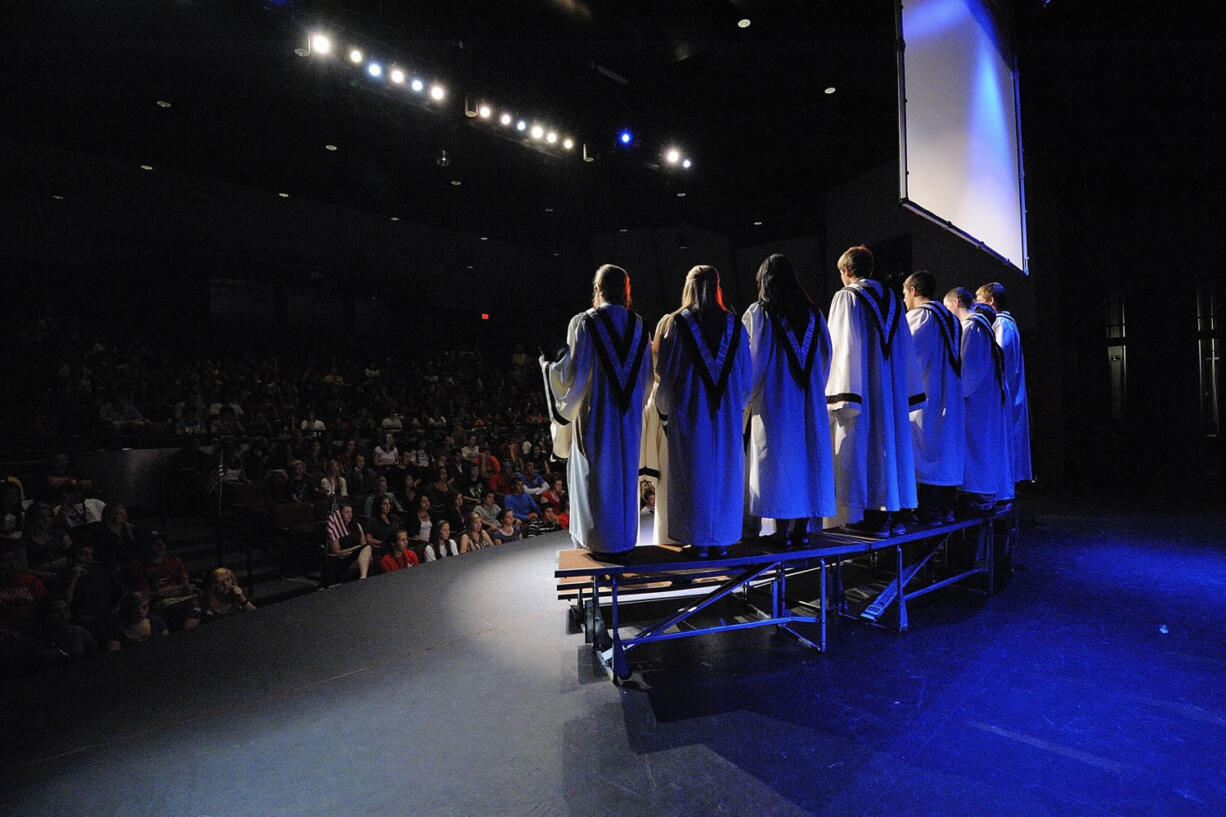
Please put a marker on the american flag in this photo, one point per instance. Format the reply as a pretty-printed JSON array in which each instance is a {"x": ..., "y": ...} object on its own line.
[
  {"x": 337, "y": 529},
  {"x": 214, "y": 482}
]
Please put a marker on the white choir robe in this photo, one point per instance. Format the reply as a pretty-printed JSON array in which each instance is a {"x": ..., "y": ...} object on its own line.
[
  {"x": 790, "y": 464},
  {"x": 701, "y": 399},
  {"x": 653, "y": 465},
  {"x": 595, "y": 395},
  {"x": 987, "y": 467},
  {"x": 1010, "y": 340},
  {"x": 870, "y": 396},
  {"x": 937, "y": 428}
]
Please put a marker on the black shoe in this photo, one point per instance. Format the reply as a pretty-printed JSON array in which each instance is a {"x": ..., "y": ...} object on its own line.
[
  {"x": 866, "y": 528},
  {"x": 696, "y": 551},
  {"x": 897, "y": 529},
  {"x": 619, "y": 558}
]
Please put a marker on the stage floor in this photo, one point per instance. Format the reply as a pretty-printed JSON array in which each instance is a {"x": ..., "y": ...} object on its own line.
[{"x": 1092, "y": 684}]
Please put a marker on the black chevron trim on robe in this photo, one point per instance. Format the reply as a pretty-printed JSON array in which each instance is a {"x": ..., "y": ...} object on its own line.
[
  {"x": 951, "y": 333},
  {"x": 805, "y": 349},
  {"x": 713, "y": 361},
  {"x": 885, "y": 311},
  {"x": 623, "y": 375}
]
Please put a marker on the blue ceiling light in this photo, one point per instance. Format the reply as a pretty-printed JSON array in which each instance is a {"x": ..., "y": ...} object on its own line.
[{"x": 626, "y": 138}]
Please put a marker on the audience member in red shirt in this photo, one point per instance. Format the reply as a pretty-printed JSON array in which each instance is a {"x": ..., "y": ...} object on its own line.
[{"x": 401, "y": 556}]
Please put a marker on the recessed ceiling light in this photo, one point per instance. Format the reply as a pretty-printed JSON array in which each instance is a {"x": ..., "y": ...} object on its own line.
[
  {"x": 146, "y": 167},
  {"x": 623, "y": 230},
  {"x": 161, "y": 103},
  {"x": 556, "y": 254},
  {"x": 548, "y": 209},
  {"x": 395, "y": 218},
  {"x": 743, "y": 23},
  {"x": 57, "y": 197},
  {"x": 456, "y": 182},
  {"x": 485, "y": 238},
  {"x": 283, "y": 195},
  {"x": 681, "y": 195},
  {"x": 830, "y": 90},
  {"x": 757, "y": 224},
  {"x": 470, "y": 266},
  {"x": 330, "y": 147}
]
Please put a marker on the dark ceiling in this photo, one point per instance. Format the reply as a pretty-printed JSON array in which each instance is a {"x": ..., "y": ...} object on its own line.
[{"x": 748, "y": 105}]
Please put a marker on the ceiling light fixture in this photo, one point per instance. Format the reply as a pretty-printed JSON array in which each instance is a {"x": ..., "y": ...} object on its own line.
[
  {"x": 505, "y": 119},
  {"x": 146, "y": 167},
  {"x": 397, "y": 76},
  {"x": 330, "y": 147},
  {"x": 830, "y": 90},
  {"x": 355, "y": 56},
  {"x": 161, "y": 103},
  {"x": 672, "y": 156},
  {"x": 686, "y": 163},
  {"x": 456, "y": 182},
  {"x": 283, "y": 195},
  {"x": 537, "y": 132},
  {"x": 320, "y": 44},
  {"x": 568, "y": 143},
  {"x": 417, "y": 85},
  {"x": 744, "y": 22},
  {"x": 437, "y": 92},
  {"x": 375, "y": 69}
]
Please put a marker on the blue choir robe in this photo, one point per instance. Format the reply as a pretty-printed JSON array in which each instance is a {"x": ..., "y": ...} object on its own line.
[
  {"x": 790, "y": 464},
  {"x": 596, "y": 394},
  {"x": 873, "y": 384},
  {"x": 700, "y": 397},
  {"x": 937, "y": 427},
  {"x": 1010, "y": 340},
  {"x": 988, "y": 453}
]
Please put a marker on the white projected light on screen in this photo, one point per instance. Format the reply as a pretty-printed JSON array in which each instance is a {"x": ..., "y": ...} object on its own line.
[{"x": 960, "y": 136}]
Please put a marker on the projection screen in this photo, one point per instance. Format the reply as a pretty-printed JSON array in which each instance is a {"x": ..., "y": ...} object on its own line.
[{"x": 959, "y": 129}]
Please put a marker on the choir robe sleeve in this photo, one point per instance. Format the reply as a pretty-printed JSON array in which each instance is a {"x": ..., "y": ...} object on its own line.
[
  {"x": 567, "y": 383},
  {"x": 845, "y": 386}
]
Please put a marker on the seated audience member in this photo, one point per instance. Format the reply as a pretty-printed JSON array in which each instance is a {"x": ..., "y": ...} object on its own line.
[
  {"x": 164, "y": 581},
  {"x": 346, "y": 454},
  {"x": 227, "y": 424},
  {"x": 418, "y": 457},
  {"x": 386, "y": 454},
  {"x": 311, "y": 424},
  {"x": 507, "y": 529},
  {"x": 315, "y": 460},
  {"x": 473, "y": 487},
  {"x": 45, "y": 551},
  {"x": 547, "y": 522},
  {"x": 488, "y": 510},
  {"x": 134, "y": 624},
  {"x": 222, "y": 596},
  {"x": 75, "y": 509},
  {"x": 470, "y": 450},
  {"x": 407, "y": 492},
  {"x": 440, "y": 491},
  {"x": 474, "y": 536},
  {"x": 419, "y": 521},
  {"x": 441, "y": 544},
  {"x": 60, "y": 640},
  {"x": 455, "y": 513},
  {"x": 20, "y": 594},
  {"x": 360, "y": 479},
  {"x": 12, "y": 514},
  {"x": 400, "y": 556},
  {"x": 392, "y": 420},
  {"x": 381, "y": 491},
  {"x": 347, "y": 543},
  {"x": 555, "y": 493},
  {"x": 112, "y": 538},
  {"x": 299, "y": 487},
  {"x": 190, "y": 424},
  {"x": 649, "y": 503},
  {"x": 381, "y": 527},
  {"x": 119, "y": 414},
  {"x": 520, "y": 501},
  {"x": 564, "y": 514},
  {"x": 234, "y": 468},
  {"x": 93, "y": 590},
  {"x": 399, "y": 470},
  {"x": 534, "y": 483},
  {"x": 333, "y": 484},
  {"x": 58, "y": 473}
]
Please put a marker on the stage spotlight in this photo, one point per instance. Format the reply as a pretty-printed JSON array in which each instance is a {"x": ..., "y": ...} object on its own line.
[
  {"x": 568, "y": 143},
  {"x": 417, "y": 85},
  {"x": 672, "y": 156},
  {"x": 505, "y": 119},
  {"x": 484, "y": 111},
  {"x": 625, "y": 137},
  {"x": 355, "y": 56},
  {"x": 521, "y": 125},
  {"x": 397, "y": 76},
  {"x": 330, "y": 147},
  {"x": 830, "y": 90},
  {"x": 551, "y": 137},
  {"x": 744, "y": 22},
  {"x": 437, "y": 93},
  {"x": 686, "y": 163},
  {"x": 537, "y": 132},
  {"x": 375, "y": 69},
  {"x": 320, "y": 44}
]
